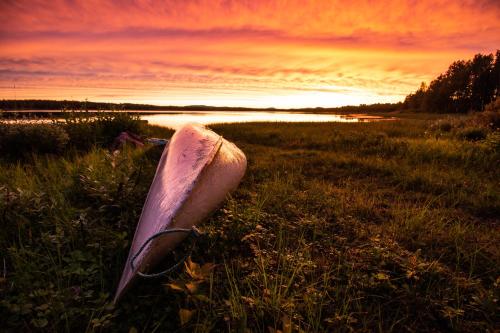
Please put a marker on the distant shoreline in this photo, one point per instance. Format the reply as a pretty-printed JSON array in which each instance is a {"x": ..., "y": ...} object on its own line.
[
  {"x": 59, "y": 114},
  {"x": 58, "y": 106}
]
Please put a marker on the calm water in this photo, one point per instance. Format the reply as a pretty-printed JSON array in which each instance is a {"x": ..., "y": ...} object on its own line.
[{"x": 175, "y": 119}]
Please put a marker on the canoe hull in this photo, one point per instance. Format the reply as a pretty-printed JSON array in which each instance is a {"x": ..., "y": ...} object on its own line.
[{"x": 194, "y": 176}]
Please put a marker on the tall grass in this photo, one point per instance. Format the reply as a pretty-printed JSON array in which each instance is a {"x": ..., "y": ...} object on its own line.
[{"x": 336, "y": 227}]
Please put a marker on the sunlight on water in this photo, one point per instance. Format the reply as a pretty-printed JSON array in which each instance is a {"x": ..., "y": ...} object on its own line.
[{"x": 176, "y": 119}]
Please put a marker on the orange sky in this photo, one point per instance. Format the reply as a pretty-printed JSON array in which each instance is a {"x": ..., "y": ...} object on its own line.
[{"x": 254, "y": 53}]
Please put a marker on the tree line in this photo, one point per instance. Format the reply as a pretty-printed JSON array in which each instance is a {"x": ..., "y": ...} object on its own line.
[
  {"x": 466, "y": 86},
  {"x": 34, "y": 104}
]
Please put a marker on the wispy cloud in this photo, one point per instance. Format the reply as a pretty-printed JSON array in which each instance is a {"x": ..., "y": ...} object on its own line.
[{"x": 178, "y": 50}]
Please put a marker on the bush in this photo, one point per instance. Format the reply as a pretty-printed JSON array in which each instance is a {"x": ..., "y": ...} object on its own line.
[
  {"x": 88, "y": 129},
  {"x": 79, "y": 131},
  {"x": 446, "y": 125},
  {"x": 489, "y": 119},
  {"x": 493, "y": 106},
  {"x": 473, "y": 133},
  {"x": 20, "y": 140},
  {"x": 493, "y": 141}
]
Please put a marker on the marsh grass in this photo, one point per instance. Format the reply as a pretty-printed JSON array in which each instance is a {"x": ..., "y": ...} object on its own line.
[{"x": 386, "y": 226}]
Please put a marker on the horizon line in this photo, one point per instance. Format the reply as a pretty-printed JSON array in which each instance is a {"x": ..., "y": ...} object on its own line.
[{"x": 201, "y": 105}]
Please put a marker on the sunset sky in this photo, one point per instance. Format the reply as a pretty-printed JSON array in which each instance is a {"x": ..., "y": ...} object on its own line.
[{"x": 257, "y": 53}]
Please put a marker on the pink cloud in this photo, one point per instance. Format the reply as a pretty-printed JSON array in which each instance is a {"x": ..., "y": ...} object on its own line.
[{"x": 255, "y": 48}]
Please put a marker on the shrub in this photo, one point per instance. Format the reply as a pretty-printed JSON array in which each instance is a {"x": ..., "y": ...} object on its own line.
[
  {"x": 493, "y": 141},
  {"x": 489, "y": 119},
  {"x": 20, "y": 140},
  {"x": 473, "y": 133},
  {"x": 89, "y": 129},
  {"x": 445, "y": 125},
  {"x": 80, "y": 131},
  {"x": 493, "y": 106}
]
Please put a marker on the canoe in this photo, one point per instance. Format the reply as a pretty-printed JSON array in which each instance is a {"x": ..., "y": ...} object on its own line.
[{"x": 195, "y": 173}]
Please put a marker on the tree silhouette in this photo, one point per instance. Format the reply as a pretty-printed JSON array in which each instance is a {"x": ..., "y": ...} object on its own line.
[{"x": 466, "y": 86}]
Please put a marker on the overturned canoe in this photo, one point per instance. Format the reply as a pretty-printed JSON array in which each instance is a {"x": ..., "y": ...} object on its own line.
[{"x": 195, "y": 173}]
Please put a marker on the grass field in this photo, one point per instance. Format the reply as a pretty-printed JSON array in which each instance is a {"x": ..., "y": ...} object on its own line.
[{"x": 384, "y": 226}]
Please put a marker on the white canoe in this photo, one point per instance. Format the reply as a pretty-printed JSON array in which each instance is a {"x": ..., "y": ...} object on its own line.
[{"x": 195, "y": 173}]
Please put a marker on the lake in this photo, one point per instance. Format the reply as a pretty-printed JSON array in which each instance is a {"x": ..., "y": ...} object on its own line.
[{"x": 175, "y": 119}]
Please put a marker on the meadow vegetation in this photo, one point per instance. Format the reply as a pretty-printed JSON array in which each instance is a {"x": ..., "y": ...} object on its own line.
[{"x": 382, "y": 226}]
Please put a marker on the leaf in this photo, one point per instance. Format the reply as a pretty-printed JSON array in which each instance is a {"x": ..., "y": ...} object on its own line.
[
  {"x": 40, "y": 322},
  {"x": 287, "y": 324},
  {"x": 248, "y": 236},
  {"x": 202, "y": 298},
  {"x": 42, "y": 307},
  {"x": 192, "y": 287},
  {"x": 132, "y": 330},
  {"x": 381, "y": 276},
  {"x": 175, "y": 287},
  {"x": 452, "y": 313},
  {"x": 185, "y": 315},
  {"x": 192, "y": 268},
  {"x": 248, "y": 300}
]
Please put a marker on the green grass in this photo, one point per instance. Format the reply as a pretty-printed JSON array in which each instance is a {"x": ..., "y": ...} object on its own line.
[{"x": 386, "y": 226}]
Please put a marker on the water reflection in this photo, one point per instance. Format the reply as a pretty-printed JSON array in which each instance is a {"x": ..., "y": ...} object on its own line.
[{"x": 176, "y": 119}]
